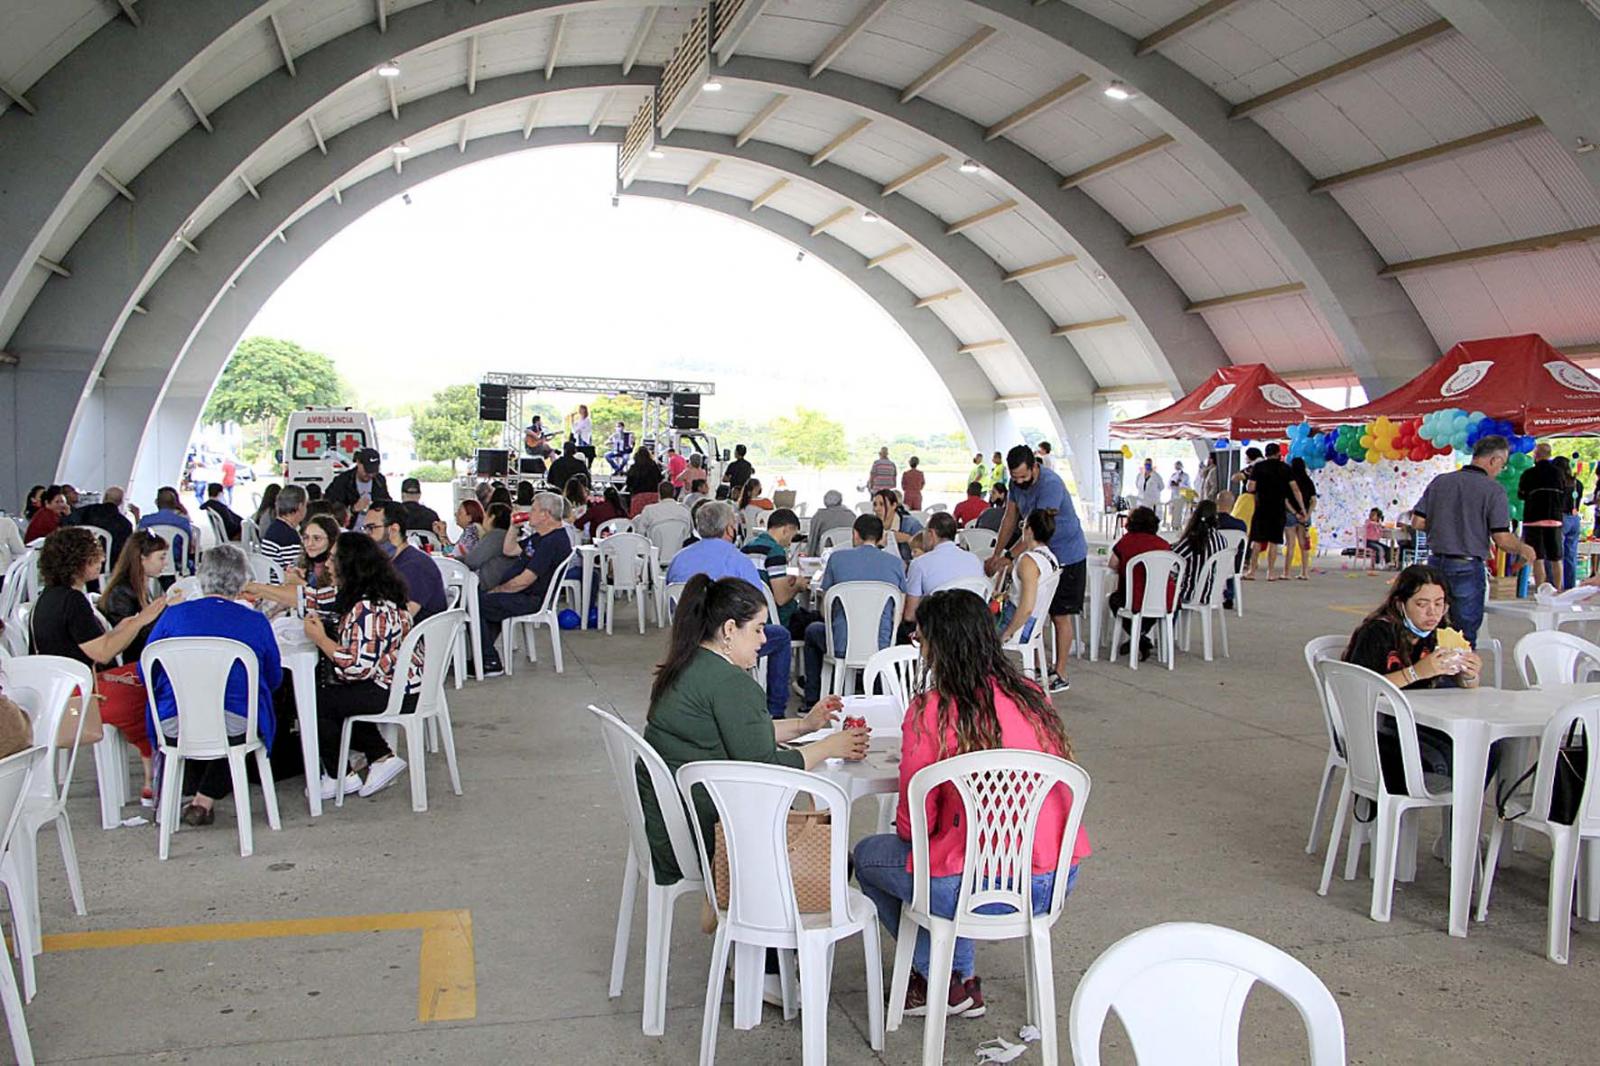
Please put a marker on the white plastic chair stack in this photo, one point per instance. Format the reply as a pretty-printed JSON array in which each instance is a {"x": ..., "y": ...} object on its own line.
[
  {"x": 753, "y": 802},
  {"x": 1212, "y": 583},
  {"x": 197, "y": 668},
  {"x": 1179, "y": 990},
  {"x": 178, "y": 549},
  {"x": 1320, "y": 649},
  {"x": 16, "y": 773},
  {"x": 1161, "y": 571},
  {"x": 1234, "y": 539},
  {"x": 626, "y": 749},
  {"x": 546, "y": 616},
  {"x": 439, "y": 636},
  {"x": 459, "y": 576},
  {"x": 1002, "y": 793},
  {"x": 978, "y": 541},
  {"x": 1533, "y": 812},
  {"x": 863, "y": 603},
  {"x": 43, "y": 685},
  {"x": 1031, "y": 649},
  {"x": 625, "y": 569},
  {"x": 833, "y": 537},
  {"x": 1354, "y": 693}
]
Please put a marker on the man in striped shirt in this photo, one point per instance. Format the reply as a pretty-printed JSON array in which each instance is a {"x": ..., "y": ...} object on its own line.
[
  {"x": 882, "y": 474},
  {"x": 280, "y": 541}
]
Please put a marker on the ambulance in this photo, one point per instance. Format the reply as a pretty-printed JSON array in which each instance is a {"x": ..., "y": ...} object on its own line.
[{"x": 322, "y": 441}]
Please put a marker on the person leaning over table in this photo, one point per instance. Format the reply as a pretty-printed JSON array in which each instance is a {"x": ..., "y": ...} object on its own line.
[
  {"x": 223, "y": 574},
  {"x": 1035, "y": 561},
  {"x": 1465, "y": 514},
  {"x": 1400, "y": 640},
  {"x": 977, "y": 700}
]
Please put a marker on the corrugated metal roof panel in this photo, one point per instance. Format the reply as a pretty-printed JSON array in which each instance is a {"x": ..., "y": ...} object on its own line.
[
  {"x": 1158, "y": 190},
  {"x": 1555, "y": 294},
  {"x": 798, "y": 31},
  {"x": 1006, "y": 371},
  {"x": 1115, "y": 356},
  {"x": 1287, "y": 334},
  {"x": 1083, "y": 129}
]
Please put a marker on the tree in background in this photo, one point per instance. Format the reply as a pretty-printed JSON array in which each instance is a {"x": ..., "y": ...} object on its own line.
[
  {"x": 606, "y": 411},
  {"x": 810, "y": 438},
  {"x": 448, "y": 429},
  {"x": 265, "y": 379}
]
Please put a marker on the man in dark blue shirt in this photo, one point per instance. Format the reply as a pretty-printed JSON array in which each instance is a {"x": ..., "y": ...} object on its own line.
[
  {"x": 385, "y": 523},
  {"x": 523, "y": 589}
]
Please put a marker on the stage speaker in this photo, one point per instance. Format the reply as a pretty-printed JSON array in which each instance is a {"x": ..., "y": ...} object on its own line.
[
  {"x": 493, "y": 462},
  {"x": 530, "y": 465},
  {"x": 686, "y": 410},
  {"x": 492, "y": 401}
]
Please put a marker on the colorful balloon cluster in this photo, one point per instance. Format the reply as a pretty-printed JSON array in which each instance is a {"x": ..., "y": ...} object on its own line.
[{"x": 1455, "y": 428}]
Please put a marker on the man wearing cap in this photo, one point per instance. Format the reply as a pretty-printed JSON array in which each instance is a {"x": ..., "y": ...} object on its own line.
[
  {"x": 361, "y": 485},
  {"x": 414, "y": 514}
]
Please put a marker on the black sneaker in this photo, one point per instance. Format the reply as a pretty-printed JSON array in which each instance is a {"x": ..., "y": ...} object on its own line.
[
  {"x": 1057, "y": 683},
  {"x": 492, "y": 668}
]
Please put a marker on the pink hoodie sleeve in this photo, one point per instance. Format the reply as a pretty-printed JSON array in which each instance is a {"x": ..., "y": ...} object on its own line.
[{"x": 918, "y": 747}]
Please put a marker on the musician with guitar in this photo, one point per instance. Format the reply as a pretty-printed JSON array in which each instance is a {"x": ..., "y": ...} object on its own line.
[{"x": 536, "y": 441}]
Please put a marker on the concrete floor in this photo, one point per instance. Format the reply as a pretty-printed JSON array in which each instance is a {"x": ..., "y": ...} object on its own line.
[{"x": 1203, "y": 783}]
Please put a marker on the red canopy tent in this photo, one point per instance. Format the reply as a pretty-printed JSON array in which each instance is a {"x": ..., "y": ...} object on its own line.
[
  {"x": 1246, "y": 402},
  {"x": 1519, "y": 379}
]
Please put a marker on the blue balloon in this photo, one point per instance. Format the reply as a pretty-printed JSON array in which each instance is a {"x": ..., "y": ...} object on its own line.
[
  {"x": 568, "y": 619},
  {"x": 1340, "y": 458}
]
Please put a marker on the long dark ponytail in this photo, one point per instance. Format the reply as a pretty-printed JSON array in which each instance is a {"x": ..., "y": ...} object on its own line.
[
  {"x": 703, "y": 609},
  {"x": 967, "y": 666}
]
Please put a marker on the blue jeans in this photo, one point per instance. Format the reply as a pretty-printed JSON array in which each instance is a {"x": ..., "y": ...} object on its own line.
[
  {"x": 1465, "y": 579},
  {"x": 780, "y": 654},
  {"x": 1571, "y": 531},
  {"x": 881, "y": 871}
]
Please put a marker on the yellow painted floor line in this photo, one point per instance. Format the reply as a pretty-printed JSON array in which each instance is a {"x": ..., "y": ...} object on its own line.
[
  {"x": 447, "y": 983},
  {"x": 1362, "y": 609}
]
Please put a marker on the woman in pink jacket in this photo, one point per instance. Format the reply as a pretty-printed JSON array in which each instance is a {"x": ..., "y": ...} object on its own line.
[{"x": 977, "y": 700}]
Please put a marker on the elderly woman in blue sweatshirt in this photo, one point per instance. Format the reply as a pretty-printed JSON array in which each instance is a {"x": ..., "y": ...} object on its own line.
[{"x": 216, "y": 612}]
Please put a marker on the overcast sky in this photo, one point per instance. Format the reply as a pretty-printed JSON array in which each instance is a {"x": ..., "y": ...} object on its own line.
[{"x": 521, "y": 263}]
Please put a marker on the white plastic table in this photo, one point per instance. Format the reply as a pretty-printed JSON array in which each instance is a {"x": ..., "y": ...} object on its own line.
[
  {"x": 1102, "y": 581},
  {"x": 1543, "y": 616},
  {"x": 1475, "y": 719},
  {"x": 877, "y": 774},
  {"x": 299, "y": 657}
]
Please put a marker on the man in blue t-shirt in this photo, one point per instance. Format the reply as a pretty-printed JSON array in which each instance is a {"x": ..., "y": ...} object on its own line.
[
  {"x": 864, "y": 560},
  {"x": 425, "y": 596},
  {"x": 523, "y": 589},
  {"x": 715, "y": 556},
  {"x": 1033, "y": 488}
]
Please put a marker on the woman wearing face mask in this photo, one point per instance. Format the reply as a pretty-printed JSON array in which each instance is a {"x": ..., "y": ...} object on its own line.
[
  {"x": 316, "y": 539},
  {"x": 1400, "y": 640}
]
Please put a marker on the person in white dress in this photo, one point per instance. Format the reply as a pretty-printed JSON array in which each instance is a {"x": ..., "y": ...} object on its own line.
[{"x": 583, "y": 432}]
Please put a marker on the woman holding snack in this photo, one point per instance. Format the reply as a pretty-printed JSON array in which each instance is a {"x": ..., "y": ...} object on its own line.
[{"x": 1406, "y": 640}]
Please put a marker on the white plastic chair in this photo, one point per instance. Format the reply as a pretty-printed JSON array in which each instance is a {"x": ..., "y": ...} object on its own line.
[
  {"x": 1215, "y": 573},
  {"x": 978, "y": 541},
  {"x": 1552, "y": 657},
  {"x": 43, "y": 685},
  {"x": 178, "y": 549},
  {"x": 755, "y": 519},
  {"x": 424, "y": 540},
  {"x": 626, "y": 749},
  {"x": 667, "y": 538},
  {"x": 863, "y": 603},
  {"x": 265, "y": 570},
  {"x": 106, "y": 561},
  {"x": 935, "y": 508},
  {"x": 197, "y": 668},
  {"x": 625, "y": 569},
  {"x": 1179, "y": 989},
  {"x": 753, "y": 802},
  {"x": 219, "y": 528},
  {"x": 1034, "y": 663},
  {"x": 439, "y": 637},
  {"x": 980, "y": 586},
  {"x": 672, "y": 594},
  {"x": 16, "y": 774},
  {"x": 833, "y": 537},
  {"x": 1161, "y": 570},
  {"x": 1004, "y": 788},
  {"x": 900, "y": 670},
  {"x": 1533, "y": 812},
  {"x": 1355, "y": 693},
  {"x": 1320, "y": 649},
  {"x": 546, "y": 615},
  {"x": 1234, "y": 539},
  {"x": 458, "y": 575},
  {"x": 249, "y": 536},
  {"x": 611, "y": 527}
]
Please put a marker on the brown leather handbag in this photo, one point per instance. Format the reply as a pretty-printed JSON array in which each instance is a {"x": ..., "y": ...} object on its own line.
[{"x": 810, "y": 839}]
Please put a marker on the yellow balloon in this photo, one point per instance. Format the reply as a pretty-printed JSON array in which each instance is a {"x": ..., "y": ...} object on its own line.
[{"x": 1127, "y": 452}]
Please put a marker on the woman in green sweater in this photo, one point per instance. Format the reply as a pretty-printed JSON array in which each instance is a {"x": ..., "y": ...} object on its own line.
[{"x": 705, "y": 705}]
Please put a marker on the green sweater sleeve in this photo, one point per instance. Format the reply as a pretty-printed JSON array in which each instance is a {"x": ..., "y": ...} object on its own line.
[{"x": 739, "y": 709}]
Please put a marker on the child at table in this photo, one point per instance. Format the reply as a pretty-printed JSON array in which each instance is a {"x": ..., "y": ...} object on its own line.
[{"x": 1373, "y": 535}]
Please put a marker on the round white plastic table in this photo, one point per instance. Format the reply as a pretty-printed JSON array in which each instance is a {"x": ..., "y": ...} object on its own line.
[
  {"x": 1542, "y": 616},
  {"x": 877, "y": 774},
  {"x": 299, "y": 657},
  {"x": 1102, "y": 581},
  {"x": 1475, "y": 719}
]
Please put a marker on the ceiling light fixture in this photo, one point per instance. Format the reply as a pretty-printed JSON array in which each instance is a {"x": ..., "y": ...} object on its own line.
[
  {"x": 970, "y": 166},
  {"x": 401, "y": 149},
  {"x": 656, "y": 153},
  {"x": 391, "y": 69},
  {"x": 1117, "y": 91},
  {"x": 712, "y": 86},
  {"x": 869, "y": 216}
]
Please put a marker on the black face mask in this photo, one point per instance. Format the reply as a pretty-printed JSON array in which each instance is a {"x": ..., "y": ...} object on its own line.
[{"x": 319, "y": 559}]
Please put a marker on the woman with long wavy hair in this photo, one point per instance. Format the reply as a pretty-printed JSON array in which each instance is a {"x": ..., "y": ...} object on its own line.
[{"x": 976, "y": 700}]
